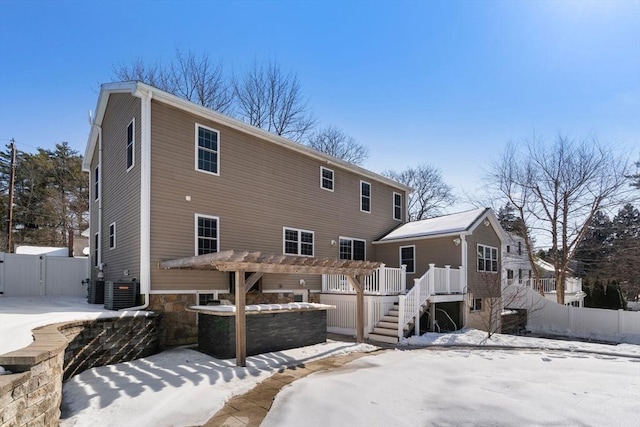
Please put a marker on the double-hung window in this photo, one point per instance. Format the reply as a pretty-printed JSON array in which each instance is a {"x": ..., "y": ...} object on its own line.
[
  {"x": 408, "y": 257},
  {"x": 326, "y": 178},
  {"x": 353, "y": 249},
  {"x": 397, "y": 206},
  {"x": 207, "y": 150},
  {"x": 476, "y": 304},
  {"x": 207, "y": 234},
  {"x": 131, "y": 136},
  {"x": 487, "y": 259},
  {"x": 297, "y": 242},
  {"x": 365, "y": 196},
  {"x": 112, "y": 235}
]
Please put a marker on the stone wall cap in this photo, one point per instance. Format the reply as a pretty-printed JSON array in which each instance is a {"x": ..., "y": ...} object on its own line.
[{"x": 254, "y": 309}]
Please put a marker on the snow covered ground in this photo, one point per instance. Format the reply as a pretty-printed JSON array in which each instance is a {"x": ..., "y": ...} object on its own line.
[
  {"x": 506, "y": 380},
  {"x": 19, "y": 315}
]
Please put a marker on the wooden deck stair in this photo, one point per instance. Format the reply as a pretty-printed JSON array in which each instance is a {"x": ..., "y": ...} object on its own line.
[{"x": 386, "y": 330}]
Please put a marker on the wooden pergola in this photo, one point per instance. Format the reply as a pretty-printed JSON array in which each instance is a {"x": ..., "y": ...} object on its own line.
[{"x": 258, "y": 263}]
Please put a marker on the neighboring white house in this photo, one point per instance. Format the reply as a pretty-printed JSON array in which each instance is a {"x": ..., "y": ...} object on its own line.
[{"x": 41, "y": 250}]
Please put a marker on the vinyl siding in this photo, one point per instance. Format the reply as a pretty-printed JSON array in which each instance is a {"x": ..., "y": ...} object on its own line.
[
  {"x": 439, "y": 251},
  {"x": 120, "y": 189},
  {"x": 261, "y": 188},
  {"x": 483, "y": 285}
]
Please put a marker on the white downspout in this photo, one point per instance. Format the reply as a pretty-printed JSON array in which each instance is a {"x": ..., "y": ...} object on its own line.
[
  {"x": 145, "y": 197},
  {"x": 99, "y": 195},
  {"x": 464, "y": 264}
]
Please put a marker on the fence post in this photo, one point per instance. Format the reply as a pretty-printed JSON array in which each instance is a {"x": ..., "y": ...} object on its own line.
[
  {"x": 431, "y": 279},
  {"x": 403, "y": 279},
  {"x": 369, "y": 326},
  {"x": 401, "y": 299},
  {"x": 382, "y": 280},
  {"x": 620, "y": 321},
  {"x": 416, "y": 324},
  {"x": 324, "y": 283},
  {"x": 447, "y": 280},
  {"x": 43, "y": 274}
]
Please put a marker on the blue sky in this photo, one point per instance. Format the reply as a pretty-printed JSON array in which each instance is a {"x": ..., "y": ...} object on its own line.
[{"x": 446, "y": 83}]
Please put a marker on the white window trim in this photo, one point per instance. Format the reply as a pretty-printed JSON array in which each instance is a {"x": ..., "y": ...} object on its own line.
[
  {"x": 473, "y": 308},
  {"x": 497, "y": 258},
  {"x": 284, "y": 246},
  {"x": 96, "y": 180},
  {"x": 133, "y": 144},
  {"x": 195, "y": 231},
  {"x": 197, "y": 147},
  {"x": 414, "y": 257},
  {"x": 333, "y": 179},
  {"x": 113, "y": 224},
  {"x": 360, "y": 201},
  {"x": 394, "y": 206},
  {"x": 352, "y": 240}
]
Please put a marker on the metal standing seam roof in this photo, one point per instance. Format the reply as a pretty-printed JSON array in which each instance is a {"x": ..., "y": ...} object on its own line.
[{"x": 446, "y": 224}]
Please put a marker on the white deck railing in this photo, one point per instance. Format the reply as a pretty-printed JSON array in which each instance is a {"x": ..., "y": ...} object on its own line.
[
  {"x": 383, "y": 281},
  {"x": 572, "y": 285},
  {"x": 435, "y": 281}
]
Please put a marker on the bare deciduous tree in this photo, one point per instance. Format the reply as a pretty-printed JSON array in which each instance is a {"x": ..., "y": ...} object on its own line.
[
  {"x": 333, "y": 141},
  {"x": 556, "y": 189},
  {"x": 271, "y": 99},
  {"x": 189, "y": 76},
  {"x": 430, "y": 193}
]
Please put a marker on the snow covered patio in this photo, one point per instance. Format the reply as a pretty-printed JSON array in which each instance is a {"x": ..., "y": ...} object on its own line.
[{"x": 512, "y": 380}]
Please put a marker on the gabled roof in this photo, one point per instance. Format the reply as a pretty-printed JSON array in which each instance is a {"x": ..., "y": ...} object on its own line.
[
  {"x": 139, "y": 89},
  {"x": 452, "y": 224}
]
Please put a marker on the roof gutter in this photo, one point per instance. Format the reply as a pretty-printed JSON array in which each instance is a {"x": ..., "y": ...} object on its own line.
[{"x": 413, "y": 238}]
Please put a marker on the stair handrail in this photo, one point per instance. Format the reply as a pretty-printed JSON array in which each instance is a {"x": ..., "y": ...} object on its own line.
[{"x": 409, "y": 304}]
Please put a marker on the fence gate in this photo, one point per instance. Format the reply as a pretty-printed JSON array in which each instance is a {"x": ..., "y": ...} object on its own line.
[{"x": 39, "y": 275}]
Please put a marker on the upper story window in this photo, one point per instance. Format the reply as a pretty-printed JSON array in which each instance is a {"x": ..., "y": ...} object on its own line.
[
  {"x": 207, "y": 234},
  {"x": 326, "y": 178},
  {"x": 487, "y": 258},
  {"x": 353, "y": 249},
  {"x": 397, "y": 206},
  {"x": 508, "y": 249},
  {"x": 519, "y": 248},
  {"x": 297, "y": 242},
  {"x": 207, "y": 150},
  {"x": 408, "y": 257},
  {"x": 131, "y": 135},
  {"x": 112, "y": 235},
  {"x": 96, "y": 183},
  {"x": 365, "y": 196}
]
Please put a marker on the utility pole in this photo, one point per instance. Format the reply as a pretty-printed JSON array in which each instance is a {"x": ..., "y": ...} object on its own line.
[{"x": 12, "y": 179}]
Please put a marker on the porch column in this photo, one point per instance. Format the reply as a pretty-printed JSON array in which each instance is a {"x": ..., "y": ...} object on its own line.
[
  {"x": 356, "y": 283},
  {"x": 241, "y": 321}
]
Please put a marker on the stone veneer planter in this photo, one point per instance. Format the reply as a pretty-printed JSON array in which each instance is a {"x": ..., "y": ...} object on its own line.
[
  {"x": 31, "y": 396},
  {"x": 270, "y": 327}
]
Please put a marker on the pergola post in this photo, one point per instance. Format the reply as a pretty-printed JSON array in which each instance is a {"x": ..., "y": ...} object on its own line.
[
  {"x": 356, "y": 283},
  {"x": 241, "y": 321}
]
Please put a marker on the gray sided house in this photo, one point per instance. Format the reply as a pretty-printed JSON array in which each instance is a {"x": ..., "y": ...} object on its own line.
[{"x": 171, "y": 179}]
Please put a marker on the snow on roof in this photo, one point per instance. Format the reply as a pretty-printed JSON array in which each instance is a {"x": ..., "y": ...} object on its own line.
[{"x": 446, "y": 224}]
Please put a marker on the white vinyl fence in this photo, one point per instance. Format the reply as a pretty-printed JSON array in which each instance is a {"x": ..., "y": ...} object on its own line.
[
  {"x": 544, "y": 316},
  {"x": 342, "y": 320},
  {"x": 39, "y": 275}
]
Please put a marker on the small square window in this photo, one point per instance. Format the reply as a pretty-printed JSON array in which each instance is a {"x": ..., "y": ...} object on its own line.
[
  {"x": 297, "y": 242},
  {"x": 353, "y": 249},
  {"x": 476, "y": 304},
  {"x": 326, "y": 178}
]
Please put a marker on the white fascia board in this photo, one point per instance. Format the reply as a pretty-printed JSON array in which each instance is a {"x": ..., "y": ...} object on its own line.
[
  {"x": 105, "y": 91},
  {"x": 491, "y": 216},
  {"x": 426, "y": 237}
]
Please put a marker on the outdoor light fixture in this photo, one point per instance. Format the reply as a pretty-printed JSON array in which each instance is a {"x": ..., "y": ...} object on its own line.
[
  {"x": 457, "y": 241},
  {"x": 486, "y": 222}
]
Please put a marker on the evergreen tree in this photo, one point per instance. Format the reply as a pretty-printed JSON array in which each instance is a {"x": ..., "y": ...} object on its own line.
[
  {"x": 595, "y": 248},
  {"x": 510, "y": 221}
]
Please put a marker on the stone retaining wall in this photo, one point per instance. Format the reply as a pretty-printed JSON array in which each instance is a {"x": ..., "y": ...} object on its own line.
[{"x": 31, "y": 396}]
